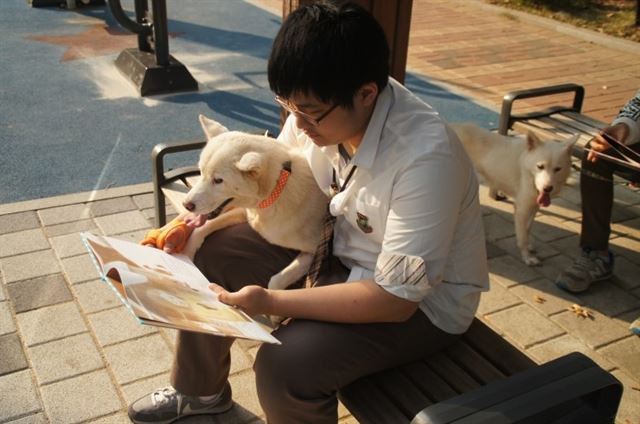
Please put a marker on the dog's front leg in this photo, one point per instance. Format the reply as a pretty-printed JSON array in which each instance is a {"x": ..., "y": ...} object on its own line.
[
  {"x": 524, "y": 213},
  {"x": 292, "y": 272},
  {"x": 226, "y": 219}
]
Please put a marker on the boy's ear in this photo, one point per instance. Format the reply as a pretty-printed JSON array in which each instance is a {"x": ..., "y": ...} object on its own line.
[
  {"x": 251, "y": 164},
  {"x": 210, "y": 127},
  {"x": 533, "y": 141},
  {"x": 368, "y": 93}
]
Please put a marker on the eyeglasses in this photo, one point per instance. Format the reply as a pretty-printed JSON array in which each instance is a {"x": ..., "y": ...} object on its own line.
[{"x": 296, "y": 112}]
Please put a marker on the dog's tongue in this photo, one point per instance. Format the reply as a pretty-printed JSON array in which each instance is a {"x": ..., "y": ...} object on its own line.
[
  {"x": 197, "y": 221},
  {"x": 544, "y": 199}
]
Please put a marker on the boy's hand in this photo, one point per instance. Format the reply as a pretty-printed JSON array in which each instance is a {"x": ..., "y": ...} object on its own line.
[
  {"x": 619, "y": 131},
  {"x": 253, "y": 300}
]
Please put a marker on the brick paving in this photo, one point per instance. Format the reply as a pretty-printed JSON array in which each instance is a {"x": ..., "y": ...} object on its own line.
[{"x": 71, "y": 353}]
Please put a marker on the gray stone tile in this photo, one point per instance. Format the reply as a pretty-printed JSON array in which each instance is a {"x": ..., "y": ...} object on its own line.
[
  {"x": 37, "y": 418},
  {"x": 544, "y": 296},
  {"x": 3, "y": 294},
  {"x": 95, "y": 296},
  {"x": 12, "y": 355},
  {"x": 553, "y": 266},
  {"x": 18, "y": 222},
  {"x": 568, "y": 246},
  {"x": 496, "y": 299},
  {"x": 118, "y": 418},
  {"x": 608, "y": 299},
  {"x": 596, "y": 332},
  {"x": 140, "y": 358},
  {"x": 136, "y": 390},
  {"x": 625, "y": 354},
  {"x": 51, "y": 323},
  {"x": 546, "y": 228},
  {"x": 564, "y": 345},
  {"x": 112, "y": 206},
  {"x": 81, "y": 398},
  {"x": 117, "y": 325},
  {"x": 563, "y": 209},
  {"x": 7, "y": 325},
  {"x": 19, "y": 396},
  {"x": 122, "y": 222},
  {"x": 39, "y": 292},
  {"x": 80, "y": 268},
  {"x": 240, "y": 359},
  {"x": 493, "y": 250},
  {"x": 22, "y": 242},
  {"x": 624, "y": 195},
  {"x": 62, "y": 214},
  {"x": 245, "y": 396},
  {"x": 629, "y": 409},
  {"x": 133, "y": 236},
  {"x": 543, "y": 250},
  {"x": 72, "y": 227},
  {"x": 626, "y": 273},
  {"x": 626, "y": 247},
  {"x": 508, "y": 271},
  {"x": 144, "y": 201},
  {"x": 29, "y": 265},
  {"x": 525, "y": 325},
  {"x": 65, "y": 358},
  {"x": 68, "y": 245},
  {"x": 496, "y": 228}
]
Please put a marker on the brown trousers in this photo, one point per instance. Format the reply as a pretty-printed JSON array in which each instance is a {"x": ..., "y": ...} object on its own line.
[{"x": 298, "y": 380}]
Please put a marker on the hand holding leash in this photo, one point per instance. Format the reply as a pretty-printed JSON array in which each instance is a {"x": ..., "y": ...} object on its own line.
[{"x": 599, "y": 144}]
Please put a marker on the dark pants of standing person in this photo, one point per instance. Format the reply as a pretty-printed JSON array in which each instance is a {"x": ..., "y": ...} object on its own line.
[
  {"x": 596, "y": 189},
  {"x": 298, "y": 380}
]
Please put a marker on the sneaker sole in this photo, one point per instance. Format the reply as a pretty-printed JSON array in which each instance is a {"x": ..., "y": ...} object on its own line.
[
  {"x": 218, "y": 410},
  {"x": 571, "y": 290}
]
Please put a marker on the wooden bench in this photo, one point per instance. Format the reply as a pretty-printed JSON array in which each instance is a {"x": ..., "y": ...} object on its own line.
[{"x": 481, "y": 378}]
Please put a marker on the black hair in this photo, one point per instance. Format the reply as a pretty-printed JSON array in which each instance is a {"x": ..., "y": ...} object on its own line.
[{"x": 329, "y": 50}]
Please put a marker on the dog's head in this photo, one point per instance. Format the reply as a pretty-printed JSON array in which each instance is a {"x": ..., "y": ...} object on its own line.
[
  {"x": 236, "y": 169},
  {"x": 550, "y": 165}
]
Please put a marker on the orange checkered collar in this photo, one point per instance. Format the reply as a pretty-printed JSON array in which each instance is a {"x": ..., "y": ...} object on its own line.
[{"x": 277, "y": 190}]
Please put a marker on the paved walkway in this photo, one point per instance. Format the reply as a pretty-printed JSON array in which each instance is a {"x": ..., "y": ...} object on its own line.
[{"x": 69, "y": 352}]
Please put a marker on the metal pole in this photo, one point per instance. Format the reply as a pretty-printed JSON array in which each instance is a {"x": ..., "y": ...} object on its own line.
[
  {"x": 160, "y": 33},
  {"x": 123, "y": 19},
  {"x": 142, "y": 11}
]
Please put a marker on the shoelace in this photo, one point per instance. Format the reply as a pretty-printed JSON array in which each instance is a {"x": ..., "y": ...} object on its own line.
[{"x": 163, "y": 396}]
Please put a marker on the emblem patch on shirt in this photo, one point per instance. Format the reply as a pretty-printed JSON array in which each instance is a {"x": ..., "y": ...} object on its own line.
[{"x": 363, "y": 223}]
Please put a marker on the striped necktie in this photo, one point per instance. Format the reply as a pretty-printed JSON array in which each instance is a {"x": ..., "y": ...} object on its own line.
[{"x": 320, "y": 262}]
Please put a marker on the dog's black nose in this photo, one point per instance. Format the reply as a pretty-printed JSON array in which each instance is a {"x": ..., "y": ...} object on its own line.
[
  {"x": 548, "y": 189},
  {"x": 189, "y": 206}
]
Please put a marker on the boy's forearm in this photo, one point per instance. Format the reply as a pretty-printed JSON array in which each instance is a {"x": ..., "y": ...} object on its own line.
[{"x": 353, "y": 302}]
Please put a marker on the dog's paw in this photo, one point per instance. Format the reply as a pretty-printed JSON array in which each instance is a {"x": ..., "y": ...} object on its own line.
[{"x": 531, "y": 260}]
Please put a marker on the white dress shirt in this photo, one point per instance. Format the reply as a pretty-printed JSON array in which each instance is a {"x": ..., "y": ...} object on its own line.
[{"x": 410, "y": 217}]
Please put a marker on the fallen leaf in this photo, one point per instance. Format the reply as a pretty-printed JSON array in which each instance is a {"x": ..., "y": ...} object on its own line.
[{"x": 539, "y": 299}]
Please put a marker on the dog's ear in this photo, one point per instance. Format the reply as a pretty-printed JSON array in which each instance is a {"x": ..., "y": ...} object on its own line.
[
  {"x": 569, "y": 143},
  {"x": 251, "y": 164},
  {"x": 210, "y": 127},
  {"x": 533, "y": 141}
]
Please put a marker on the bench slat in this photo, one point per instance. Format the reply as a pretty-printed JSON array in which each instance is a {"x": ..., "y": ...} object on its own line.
[
  {"x": 473, "y": 363},
  {"x": 366, "y": 401},
  {"x": 585, "y": 119},
  {"x": 498, "y": 351},
  {"x": 403, "y": 393},
  {"x": 429, "y": 383},
  {"x": 456, "y": 376},
  {"x": 583, "y": 138},
  {"x": 578, "y": 125}
]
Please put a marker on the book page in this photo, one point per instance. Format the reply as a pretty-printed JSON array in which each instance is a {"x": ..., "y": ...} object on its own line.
[{"x": 168, "y": 290}]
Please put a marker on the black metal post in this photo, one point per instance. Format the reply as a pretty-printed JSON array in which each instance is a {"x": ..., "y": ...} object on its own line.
[
  {"x": 142, "y": 17},
  {"x": 150, "y": 67}
]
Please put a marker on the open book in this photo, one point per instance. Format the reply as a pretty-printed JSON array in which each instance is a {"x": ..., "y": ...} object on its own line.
[{"x": 168, "y": 290}]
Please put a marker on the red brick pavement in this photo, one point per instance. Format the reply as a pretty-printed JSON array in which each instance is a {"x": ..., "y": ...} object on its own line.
[{"x": 485, "y": 54}]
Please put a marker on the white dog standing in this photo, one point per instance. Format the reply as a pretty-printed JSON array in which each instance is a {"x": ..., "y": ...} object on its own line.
[
  {"x": 524, "y": 168},
  {"x": 267, "y": 184}
]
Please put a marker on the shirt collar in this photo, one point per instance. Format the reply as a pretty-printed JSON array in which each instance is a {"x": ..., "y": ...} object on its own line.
[{"x": 366, "y": 152}]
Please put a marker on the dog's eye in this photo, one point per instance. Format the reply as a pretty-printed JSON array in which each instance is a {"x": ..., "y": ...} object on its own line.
[
  {"x": 540, "y": 166},
  {"x": 218, "y": 180}
]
